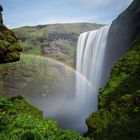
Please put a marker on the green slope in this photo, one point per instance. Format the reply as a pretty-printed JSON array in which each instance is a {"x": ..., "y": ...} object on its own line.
[{"x": 57, "y": 41}]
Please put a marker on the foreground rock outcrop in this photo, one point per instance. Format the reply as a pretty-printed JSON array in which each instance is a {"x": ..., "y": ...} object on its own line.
[
  {"x": 9, "y": 47},
  {"x": 119, "y": 101}
]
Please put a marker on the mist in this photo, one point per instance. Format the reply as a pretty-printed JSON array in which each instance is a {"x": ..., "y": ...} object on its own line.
[{"x": 51, "y": 87}]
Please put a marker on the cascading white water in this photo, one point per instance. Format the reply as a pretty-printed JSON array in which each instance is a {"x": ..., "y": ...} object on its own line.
[{"x": 90, "y": 55}]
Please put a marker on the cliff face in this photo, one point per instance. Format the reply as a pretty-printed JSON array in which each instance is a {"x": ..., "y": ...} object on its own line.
[
  {"x": 119, "y": 101},
  {"x": 123, "y": 32},
  {"x": 124, "y": 29},
  {"x": 9, "y": 47}
]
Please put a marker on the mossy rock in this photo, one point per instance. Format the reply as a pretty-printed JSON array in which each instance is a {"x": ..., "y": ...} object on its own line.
[{"x": 9, "y": 45}]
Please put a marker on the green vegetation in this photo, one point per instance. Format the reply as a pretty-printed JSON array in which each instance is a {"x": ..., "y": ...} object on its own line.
[
  {"x": 22, "y": 121},
  {"x": 57, "y": 41}
]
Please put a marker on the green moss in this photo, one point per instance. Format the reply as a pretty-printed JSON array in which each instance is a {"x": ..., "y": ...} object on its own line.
[{"x": 9, "y": 46}]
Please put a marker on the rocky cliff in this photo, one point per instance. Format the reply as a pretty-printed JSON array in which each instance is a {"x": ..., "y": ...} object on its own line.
[
  {"x": 119, "y": 101},
  {"x": 9, "y": 47}
]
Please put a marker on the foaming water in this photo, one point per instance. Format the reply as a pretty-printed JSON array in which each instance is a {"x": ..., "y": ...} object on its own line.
[{"x": 90, "y": 56}]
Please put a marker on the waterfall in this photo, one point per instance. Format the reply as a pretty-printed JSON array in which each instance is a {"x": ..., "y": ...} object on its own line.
[{"x": 90, "y": 55}]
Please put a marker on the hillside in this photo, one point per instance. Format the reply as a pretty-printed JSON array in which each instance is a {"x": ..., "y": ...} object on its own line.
[
  {"x": 118, "y": 116},
  {"x": 9, "y": 47},
  {"x": 57, "y": 41}
]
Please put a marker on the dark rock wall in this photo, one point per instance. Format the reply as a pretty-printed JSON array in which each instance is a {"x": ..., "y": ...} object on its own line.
[{"x": 122, "y": 32}]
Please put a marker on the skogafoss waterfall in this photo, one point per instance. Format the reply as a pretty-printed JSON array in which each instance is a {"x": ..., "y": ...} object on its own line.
[
  {"x": 70, "y": 110},
  {"x": 90, "y": 56}
]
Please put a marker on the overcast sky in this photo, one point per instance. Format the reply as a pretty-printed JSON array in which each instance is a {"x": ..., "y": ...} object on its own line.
[{"x": 33, "y": 12}]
